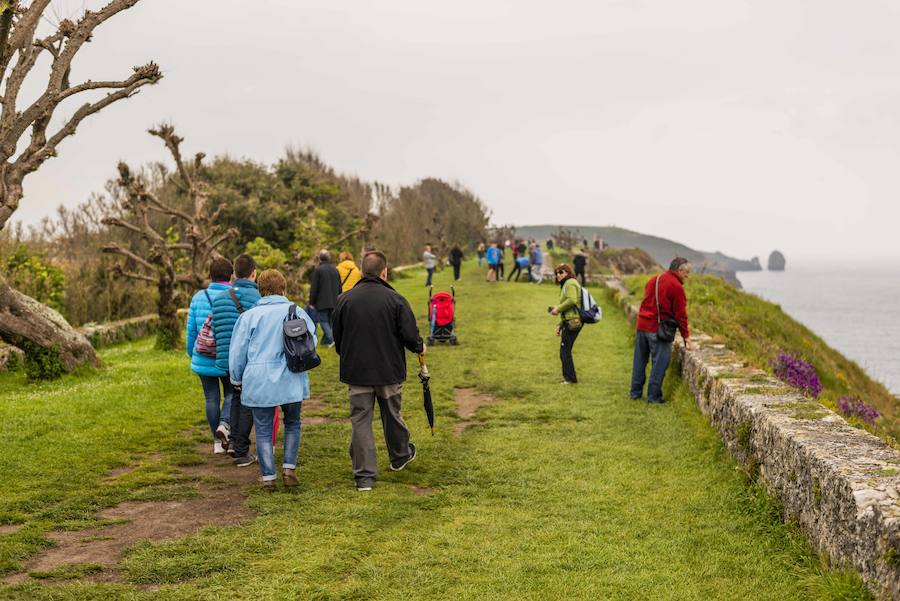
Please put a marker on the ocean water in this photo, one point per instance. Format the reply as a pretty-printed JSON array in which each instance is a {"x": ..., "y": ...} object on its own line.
[{"x": 854, "y": 308}]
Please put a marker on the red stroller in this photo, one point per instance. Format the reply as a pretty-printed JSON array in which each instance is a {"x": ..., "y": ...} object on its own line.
[{"x": 442, "y": 316}]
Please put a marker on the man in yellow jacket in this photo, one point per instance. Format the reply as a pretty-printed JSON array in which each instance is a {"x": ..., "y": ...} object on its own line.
[{"x": 348, "y": 271}]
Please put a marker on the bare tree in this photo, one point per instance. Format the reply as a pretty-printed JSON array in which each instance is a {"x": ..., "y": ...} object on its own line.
[
  {"x": 23, "y": 319},
  {"x": 164, "y": 262}
]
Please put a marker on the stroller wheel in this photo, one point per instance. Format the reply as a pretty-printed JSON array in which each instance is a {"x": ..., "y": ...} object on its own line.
[{"x": 454, "y": 341}]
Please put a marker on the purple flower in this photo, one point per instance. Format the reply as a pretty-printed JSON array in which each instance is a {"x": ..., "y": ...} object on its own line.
[
  {"x": 852, "y": 406},
  {"x": 796, "y": 372}
]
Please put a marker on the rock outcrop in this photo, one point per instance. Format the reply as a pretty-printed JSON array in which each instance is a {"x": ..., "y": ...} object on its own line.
[{"x": 777, "y": 261}]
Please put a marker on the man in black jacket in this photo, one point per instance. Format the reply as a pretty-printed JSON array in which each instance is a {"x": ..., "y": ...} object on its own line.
[
  {"x": 373, "y": 325},
  {"x": 324, "y": 288}
]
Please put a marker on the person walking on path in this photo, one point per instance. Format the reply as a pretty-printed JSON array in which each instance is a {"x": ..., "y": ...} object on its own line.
[
  {"x": 373, "y": 325},
  {"x": 537, "y": 263},
  {"x": 456, "y": 259},
  {"x": 348, "y": 271},
  {"x": 203, "y": 355},
  {"x": 258, "y": 366},
  {"x": 493, "y": 258},
  {"x": 672, "y": 305},
  {"x": 227, "y": 306},
  {"x": 579, "y": 262},
  {"x": 430, "y": 261},
  {"x": 569, "y": 320},
  {"x": 324, "y": 288}
]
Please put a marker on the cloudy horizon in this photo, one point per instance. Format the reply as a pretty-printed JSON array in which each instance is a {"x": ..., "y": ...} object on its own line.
[{"x": 721, "y": 124}]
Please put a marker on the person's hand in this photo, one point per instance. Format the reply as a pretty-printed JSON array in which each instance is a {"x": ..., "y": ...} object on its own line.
[
  {"x": 558, "y": 330},
  {"x": 554, "y": 311},
  {"x": 690, "y": 345}
]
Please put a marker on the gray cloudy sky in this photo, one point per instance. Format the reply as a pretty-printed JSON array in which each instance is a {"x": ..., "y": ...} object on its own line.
[{"x": 725, "y": 124}]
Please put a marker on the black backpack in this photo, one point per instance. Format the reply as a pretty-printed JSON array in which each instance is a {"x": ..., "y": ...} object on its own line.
[{"x": 299, "y": 344}]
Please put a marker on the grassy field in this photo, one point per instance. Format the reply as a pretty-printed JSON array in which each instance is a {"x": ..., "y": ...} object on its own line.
[
  {"x": 758, "y": 330},
  {"x": 563, "y": 492}
]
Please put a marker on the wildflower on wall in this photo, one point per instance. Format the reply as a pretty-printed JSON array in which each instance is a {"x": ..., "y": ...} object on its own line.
[
  {"x": 852, "y": 406},
  {"x": 796, "y": 372}
]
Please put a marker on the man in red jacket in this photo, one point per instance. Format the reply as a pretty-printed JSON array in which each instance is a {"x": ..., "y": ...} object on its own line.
[{"x": 672, "y": 305}]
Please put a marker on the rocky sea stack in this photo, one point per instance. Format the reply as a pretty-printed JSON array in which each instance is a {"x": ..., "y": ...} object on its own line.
[{"x": 776, "y": 261}]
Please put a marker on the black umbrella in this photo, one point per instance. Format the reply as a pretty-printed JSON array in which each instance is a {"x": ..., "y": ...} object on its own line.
[{"x": 424, "y": 377}]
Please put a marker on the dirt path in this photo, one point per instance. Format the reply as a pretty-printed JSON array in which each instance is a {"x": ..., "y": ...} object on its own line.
[{"x": 468, "y": 401}]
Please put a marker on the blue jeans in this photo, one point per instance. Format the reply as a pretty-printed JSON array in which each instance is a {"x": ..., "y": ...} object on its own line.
[
  {"x": 263, "y": 420},
  {"x": 647, "y": 348},
  {"x": 430, "y": 274},
  {"x": 214, "y": 414},
  {"x": 322, "y": 317}
]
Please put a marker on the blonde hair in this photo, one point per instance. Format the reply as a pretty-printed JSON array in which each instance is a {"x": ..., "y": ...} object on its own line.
[{"x": 270, "y": 282}]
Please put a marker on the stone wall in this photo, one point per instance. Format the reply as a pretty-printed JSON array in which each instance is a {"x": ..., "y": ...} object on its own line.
[{"x": 839, "y": 483}]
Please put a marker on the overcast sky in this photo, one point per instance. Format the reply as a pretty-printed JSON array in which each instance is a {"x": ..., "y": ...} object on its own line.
[{"x": 724, "y": 124}]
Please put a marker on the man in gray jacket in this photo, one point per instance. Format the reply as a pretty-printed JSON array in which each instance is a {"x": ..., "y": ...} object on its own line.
[{"x": 430, "y": 261}]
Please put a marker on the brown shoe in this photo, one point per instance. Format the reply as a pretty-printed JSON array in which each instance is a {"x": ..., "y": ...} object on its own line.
[
  {"x": 268, "y": 485},
  {"x": 290, "y": 478}
]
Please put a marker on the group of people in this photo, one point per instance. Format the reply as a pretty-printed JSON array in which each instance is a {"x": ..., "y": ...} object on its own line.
[
  {"x": 528, "y": 258},
  {"x": 235, "y": 339}
]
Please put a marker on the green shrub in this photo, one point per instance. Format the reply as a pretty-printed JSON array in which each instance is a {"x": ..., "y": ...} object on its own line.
[
  {"x": 42, "y": 363},
  {"x": 31, "y": 273}
]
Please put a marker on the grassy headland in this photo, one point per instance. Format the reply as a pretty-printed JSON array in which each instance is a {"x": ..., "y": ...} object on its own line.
[{"x": 561, "y": 492}]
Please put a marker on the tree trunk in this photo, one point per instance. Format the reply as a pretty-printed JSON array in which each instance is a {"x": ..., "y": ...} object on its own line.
[
  {"x": 168, "y": 333},
  {"x": 24, "y": 319}
]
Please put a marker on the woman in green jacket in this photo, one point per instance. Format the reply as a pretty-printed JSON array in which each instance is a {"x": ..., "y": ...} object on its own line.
[{"x": 569, "y": 320}]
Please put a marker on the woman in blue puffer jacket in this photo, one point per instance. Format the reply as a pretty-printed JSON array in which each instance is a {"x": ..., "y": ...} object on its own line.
[
  {"x": 257, "y": 364},
  {"x": 211, "y": 377}
]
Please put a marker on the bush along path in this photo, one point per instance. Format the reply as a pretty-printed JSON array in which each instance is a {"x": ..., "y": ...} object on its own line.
[{"x": 546, "y": 492}]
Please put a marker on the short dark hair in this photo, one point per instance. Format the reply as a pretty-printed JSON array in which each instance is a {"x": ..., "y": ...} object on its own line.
[
  {"x": 677, "y": 262},
  {"x": 373, "y": 263},
  {"x": 244, "y": 265},
  {"x": 220, "y": 269}
]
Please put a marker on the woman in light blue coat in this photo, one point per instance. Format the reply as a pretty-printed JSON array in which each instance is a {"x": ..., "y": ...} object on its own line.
[
  {"x": 220, "y": 271},
  {"x": 257, "y": 365}
]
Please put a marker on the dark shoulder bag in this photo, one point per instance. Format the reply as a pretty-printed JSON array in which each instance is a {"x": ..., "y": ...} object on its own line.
[
  {"x": 299, "y": 344},
  {"x": 666, "y": 328}
]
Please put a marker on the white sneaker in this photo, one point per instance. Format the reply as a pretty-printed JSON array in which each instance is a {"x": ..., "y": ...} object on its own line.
[
  {"x": 222, "y": 433},
  {"x": 218, "y": 449},
  {"x": 363, "y": 488}
]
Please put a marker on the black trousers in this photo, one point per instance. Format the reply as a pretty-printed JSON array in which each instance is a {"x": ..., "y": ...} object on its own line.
[
  {"x": 500, "y": 271},
  {"x": 567, "y": 341},
  {"x": 517, "y": 271},
  {"x": 456, "y": 267},
  {"x": 580, "y": 274},
  {"x": 241, "y": 423}
]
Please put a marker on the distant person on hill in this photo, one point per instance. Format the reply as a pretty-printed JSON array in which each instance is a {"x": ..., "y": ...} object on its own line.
[
  {"x": 258, "y": 366},
  {"x": 373, "y": 327},
  {"x": 493, "y": 259},
  {"x": 521, "y": 266},
  {"x": 669, "y": 288},
  {"x": 549, "y": 244},
  {"x": 324, "y": 288},
  {"x": 348, "y": 271},
  {"x": 430, "y": 261},
  {"x": 537, "y": 263},
  {"x": 579, "y": 262},
  {"x": 201, "y": 348},
  {"x": 569, "y": 320},
  {"x": 227, "y": 307},
  {"x": 456, "y": 259},
  {"x": 480, "y": 252}
]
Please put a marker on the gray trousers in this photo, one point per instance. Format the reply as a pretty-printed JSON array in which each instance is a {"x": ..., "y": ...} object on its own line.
[{"x": 362, "y": 443}]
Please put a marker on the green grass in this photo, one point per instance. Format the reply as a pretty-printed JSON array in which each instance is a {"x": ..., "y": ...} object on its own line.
[
  {"x": 758, "y": 330},
  {"x": 565, "y": 492}
]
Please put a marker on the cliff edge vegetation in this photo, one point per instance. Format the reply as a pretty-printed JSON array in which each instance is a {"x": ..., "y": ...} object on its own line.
[{"x": 759, "y": 331}]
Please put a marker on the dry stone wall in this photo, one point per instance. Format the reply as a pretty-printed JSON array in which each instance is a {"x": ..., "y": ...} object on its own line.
[{"x": 839, "y": 483}]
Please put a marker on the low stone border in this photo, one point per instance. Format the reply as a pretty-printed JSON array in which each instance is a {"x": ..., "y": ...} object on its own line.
[{"x": 841, "y": 484}]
